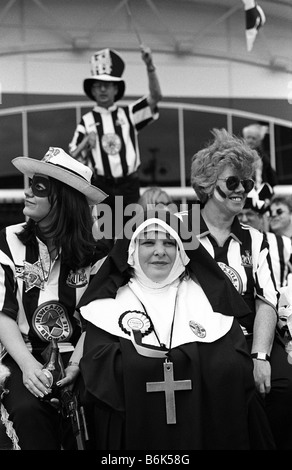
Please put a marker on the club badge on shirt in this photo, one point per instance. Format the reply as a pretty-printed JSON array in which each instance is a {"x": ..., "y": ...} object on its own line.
[
  {"x": 246, "y": 260},
  {"x": 50, "y": 320},
  {"x": 77, "y": 278},
  {"x": 111, "y": 144},
  {"x": 32, "y": 274}
]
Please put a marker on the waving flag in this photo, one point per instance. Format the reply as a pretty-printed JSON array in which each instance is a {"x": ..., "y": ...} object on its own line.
[{"x": 254, "y": 19}]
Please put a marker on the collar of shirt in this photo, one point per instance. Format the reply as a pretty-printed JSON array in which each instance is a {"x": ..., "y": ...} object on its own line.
[
  {"x": 236, "y": 230},
  {"x": 99, "y": 109}
]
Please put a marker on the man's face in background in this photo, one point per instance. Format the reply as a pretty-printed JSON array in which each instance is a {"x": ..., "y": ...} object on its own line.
[{"x": 252, "y": 139}]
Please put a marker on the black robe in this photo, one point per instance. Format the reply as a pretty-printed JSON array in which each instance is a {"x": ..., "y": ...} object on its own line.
[{"x": 222, "y": 410}]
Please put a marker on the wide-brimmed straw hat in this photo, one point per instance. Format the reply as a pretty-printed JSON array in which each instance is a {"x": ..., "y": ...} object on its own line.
[
  {"x": 106, "y": 66},
  {"x": 61, "y": 166}
]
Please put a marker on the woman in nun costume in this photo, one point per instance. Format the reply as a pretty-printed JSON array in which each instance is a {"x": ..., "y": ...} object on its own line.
[{"x": 165, "y": 364}]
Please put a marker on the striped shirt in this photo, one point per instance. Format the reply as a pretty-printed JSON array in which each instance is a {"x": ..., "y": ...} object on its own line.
[
  {"x": 47, "y": 309},
  {"x": 280, "y": 252},
  {"x": 246, "y": 261},
  {"x": 116, "y": 153}
]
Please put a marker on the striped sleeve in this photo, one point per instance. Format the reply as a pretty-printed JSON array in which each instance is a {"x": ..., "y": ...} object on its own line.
[
  {"x": 8, "y": 299},
  {"x": 78, "y": 136},
  {"x": 265, "y": 284},
  {"x": 280, "y": 250},
  {"x": 141, "y": 114}
]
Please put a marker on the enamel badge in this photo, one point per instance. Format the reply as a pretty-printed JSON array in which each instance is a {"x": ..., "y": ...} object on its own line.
[
  {"x": 33, "y": 275},
  {"x": 198, "y": 329},
  {"x": 246, "y": 259},
  {"x": 50, "y": 320},
  {"x": 77, "y": 278}
]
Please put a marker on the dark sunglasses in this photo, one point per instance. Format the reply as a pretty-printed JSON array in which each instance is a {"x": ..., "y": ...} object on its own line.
[
  {"x": 40, "y": 185},
  {"x": 276, "y": 213},
  {"x": 232, "y": 182}
]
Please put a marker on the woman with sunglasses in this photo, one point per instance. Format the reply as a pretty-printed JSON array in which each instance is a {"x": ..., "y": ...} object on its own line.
[
  {"x": 46, "y": 264},
  {"x": 222, "y": 176}
]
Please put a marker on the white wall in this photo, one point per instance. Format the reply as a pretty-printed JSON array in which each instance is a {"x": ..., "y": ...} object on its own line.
[{"x": 216, "y": 64}]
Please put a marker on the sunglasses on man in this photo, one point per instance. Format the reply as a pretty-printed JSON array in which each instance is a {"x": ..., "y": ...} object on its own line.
[
  {"x": 277, "y": 213},
  {"x": 232, "y": 182}
]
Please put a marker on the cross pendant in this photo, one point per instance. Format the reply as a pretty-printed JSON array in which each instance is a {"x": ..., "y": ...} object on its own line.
[{"x": 169, "y": 386}]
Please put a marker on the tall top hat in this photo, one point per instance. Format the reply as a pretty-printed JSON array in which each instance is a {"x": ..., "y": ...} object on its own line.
[{"x": 106, "y": 66}]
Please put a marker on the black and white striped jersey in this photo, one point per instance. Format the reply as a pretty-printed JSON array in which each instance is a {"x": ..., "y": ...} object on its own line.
[
  {"x": 39, "y": 295},
  {"x": 280, "y": 248},
  {"x": 246, "y": 260},
  {"x": 116, "y": 153}
]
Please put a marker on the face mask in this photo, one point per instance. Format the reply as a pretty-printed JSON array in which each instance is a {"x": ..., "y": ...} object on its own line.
[{"x": 40, "y": 185}]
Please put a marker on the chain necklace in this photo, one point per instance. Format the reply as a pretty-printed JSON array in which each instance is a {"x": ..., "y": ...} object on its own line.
[
  {"x": 162, "y": 345},
  {"x": 169, "y": 385}
]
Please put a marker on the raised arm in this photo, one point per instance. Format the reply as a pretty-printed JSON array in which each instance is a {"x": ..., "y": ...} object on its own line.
[{"x": 155, "y": 94}]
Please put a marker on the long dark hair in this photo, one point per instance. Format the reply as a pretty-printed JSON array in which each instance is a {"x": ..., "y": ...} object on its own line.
[{"x": 70, "y": 228}]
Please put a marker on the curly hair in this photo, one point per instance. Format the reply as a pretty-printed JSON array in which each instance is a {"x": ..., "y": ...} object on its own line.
[
  {"x": 224, "y": 150},
  {"x": 70, "y": 228}
]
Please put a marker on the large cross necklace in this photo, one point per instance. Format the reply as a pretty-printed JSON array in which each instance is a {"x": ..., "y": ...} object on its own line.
[{"x": 169, "y": 386}]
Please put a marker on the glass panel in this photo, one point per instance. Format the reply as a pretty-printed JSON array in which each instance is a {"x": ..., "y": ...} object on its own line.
[
  {"x": 159, "y": 150},
  {"x": 239, "y": 123},
  {"x": 283, "y": 142},
  {"x": 86, "y": 110},
  {"x": 53, "y": 128},
  {"x": 11, "y": 146},
  {"x": 11, "y": 213},
  {"x": 197, "y": 127}
]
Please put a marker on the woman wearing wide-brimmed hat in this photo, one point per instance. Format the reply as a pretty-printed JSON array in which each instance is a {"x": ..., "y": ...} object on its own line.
[{"x": 45, "y": 266}]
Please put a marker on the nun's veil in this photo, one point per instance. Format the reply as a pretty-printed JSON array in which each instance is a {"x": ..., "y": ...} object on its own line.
[{"x": 115, "y": 271}]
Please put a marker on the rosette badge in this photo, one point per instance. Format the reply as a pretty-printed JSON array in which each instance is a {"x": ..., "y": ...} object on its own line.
[{"x": 135, "y": 320}]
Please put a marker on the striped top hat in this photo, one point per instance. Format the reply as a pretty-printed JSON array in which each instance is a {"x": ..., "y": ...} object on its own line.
[{"x": 106, "y": 66}]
